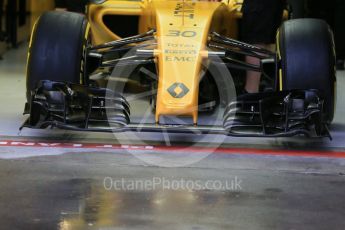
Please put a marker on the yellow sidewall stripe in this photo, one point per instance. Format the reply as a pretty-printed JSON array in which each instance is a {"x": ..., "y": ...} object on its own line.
[
  {"x": 30, "y": 44},
  {"x": 280, "y": 79},
  {"x": 86, "y": 36},
  {"x": 280, "y": 58}
]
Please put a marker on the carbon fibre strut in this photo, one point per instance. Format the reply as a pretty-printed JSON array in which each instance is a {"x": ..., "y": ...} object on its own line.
[
  {"x": 113, "y": 53},
  {"x": 125, "y": 41},
  {"x": 145, "y": 43}
]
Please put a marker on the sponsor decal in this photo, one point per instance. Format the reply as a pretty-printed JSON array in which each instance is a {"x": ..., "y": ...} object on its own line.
[
  {"x": 178, "y": 90},
  {"x": 71, "y": 145},
  {"x": 185, "y": 9},
  {"x": 163, "y": 148}
]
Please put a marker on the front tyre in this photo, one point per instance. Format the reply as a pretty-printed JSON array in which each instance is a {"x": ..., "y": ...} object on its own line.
[
  {"x": 57, "y": 47},
  {"x": 305, "y": 49}
]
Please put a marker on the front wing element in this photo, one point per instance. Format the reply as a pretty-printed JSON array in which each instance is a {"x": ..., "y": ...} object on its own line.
[
  {"x": 269, "y": 114},
  {"x": 283, "y": 113},
  {"x": 54, "y": 103}
]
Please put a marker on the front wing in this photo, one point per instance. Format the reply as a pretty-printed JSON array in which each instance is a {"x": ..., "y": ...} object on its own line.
[{"x": 268, "y": 114}]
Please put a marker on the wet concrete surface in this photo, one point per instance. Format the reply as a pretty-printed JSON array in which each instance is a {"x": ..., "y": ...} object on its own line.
[{"x": 77, "y": 191}]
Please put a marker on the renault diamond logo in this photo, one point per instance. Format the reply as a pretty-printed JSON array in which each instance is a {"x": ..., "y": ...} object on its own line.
[{"x": 178, "y": 90}]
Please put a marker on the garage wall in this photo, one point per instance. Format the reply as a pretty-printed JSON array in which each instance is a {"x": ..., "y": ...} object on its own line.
[
  {"x": 37, "y": 7},
  {"x": 2, "y": 27},
  {"x": 17, "y": 18}
]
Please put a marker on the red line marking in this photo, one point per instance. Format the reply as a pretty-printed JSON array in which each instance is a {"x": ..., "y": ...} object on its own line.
[{"x": 157, "y": 148}]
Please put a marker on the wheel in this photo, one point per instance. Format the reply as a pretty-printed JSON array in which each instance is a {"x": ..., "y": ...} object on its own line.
[
  {"x": 305, "y": 49},
  {"x": 57, "y": 48}
]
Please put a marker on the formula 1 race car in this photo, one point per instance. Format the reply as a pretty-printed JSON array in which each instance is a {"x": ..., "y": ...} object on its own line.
[{"x": 181, "y": 62}]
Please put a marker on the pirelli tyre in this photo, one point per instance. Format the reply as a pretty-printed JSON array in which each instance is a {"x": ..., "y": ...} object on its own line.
[
  {"x": 57, "y": 47},
  {"x": 306, "y": 56}
]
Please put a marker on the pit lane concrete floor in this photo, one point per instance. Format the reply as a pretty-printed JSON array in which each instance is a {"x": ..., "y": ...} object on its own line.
[{"x": 71, "y": 187}]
